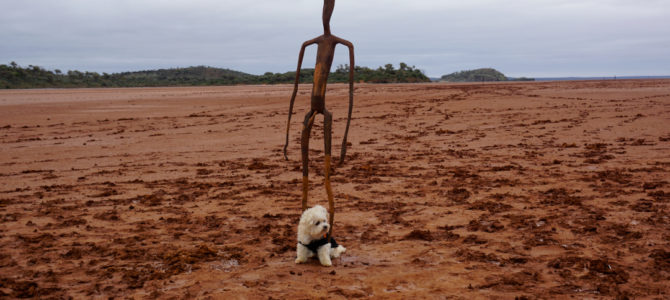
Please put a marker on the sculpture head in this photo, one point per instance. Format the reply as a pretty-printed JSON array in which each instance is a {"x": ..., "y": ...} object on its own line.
[{"x": 328, "y": 6}]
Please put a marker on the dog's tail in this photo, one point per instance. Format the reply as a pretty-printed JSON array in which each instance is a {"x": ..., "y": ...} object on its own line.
[{"x": 338, "y": 251}]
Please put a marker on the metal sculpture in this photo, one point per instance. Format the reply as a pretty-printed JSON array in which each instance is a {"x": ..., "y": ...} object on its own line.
[{"x": 324, "y": 60}]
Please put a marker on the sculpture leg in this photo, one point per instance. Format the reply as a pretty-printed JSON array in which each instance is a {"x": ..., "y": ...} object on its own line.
[
  {"x": 288, "y": 128},
  {"x": 327, "y": 130},
  {"x": 304, "y": 144}
]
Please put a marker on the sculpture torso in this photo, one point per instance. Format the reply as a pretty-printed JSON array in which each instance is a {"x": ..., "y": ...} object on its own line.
[{"x": 324, "y": 60}]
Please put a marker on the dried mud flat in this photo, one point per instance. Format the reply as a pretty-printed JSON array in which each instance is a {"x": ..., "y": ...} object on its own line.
[{"x": 528, "y": 190}]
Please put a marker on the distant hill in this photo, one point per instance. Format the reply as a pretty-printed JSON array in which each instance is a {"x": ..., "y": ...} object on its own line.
[
  {"x": 479, "y": 75},
  {"x": 14, "y": 76},
  {"x": 199, "y": 75}
]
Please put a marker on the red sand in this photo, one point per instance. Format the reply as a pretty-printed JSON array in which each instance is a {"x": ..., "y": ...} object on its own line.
[{"x": 536, "y": 190}]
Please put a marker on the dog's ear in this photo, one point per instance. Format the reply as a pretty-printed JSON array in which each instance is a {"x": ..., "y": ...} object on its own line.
[{"x": 305, "y": 220}]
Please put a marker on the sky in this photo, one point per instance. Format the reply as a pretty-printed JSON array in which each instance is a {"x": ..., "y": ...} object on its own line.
[{"x": 533, "y": 38}]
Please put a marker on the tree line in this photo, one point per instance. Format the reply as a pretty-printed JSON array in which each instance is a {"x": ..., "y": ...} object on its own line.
[{"x": 13, "y": 76}]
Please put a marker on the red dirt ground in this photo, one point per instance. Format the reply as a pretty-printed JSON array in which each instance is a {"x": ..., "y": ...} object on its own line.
[{"x": 529, "y": 190}]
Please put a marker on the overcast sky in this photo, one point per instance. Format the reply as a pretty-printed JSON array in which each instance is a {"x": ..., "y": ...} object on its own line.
[{"x": 537, "y": 38}]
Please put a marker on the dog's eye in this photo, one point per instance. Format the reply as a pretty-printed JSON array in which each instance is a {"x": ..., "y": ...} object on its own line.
[{"x": 318, "y": 222}]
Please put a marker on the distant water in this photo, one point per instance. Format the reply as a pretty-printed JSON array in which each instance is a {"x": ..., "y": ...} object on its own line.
[
  {"x": 584, "y": 78},
  {"x": 599, "y": 78}
]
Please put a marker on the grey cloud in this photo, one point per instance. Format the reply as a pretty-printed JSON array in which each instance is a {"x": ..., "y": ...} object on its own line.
[{"x": 531, "y": 38}]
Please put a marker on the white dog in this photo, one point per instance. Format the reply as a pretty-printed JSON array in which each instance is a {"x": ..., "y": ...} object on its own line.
[{"x": 313, "y": 237}]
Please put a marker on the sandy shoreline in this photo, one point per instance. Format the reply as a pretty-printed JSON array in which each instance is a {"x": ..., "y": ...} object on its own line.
[{"x": 538, "y": 190}]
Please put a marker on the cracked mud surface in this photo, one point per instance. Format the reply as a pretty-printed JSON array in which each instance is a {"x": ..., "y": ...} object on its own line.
[{"x": 535, "y": 190}]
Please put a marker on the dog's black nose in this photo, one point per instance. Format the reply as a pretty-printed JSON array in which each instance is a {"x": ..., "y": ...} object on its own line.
[{"x": 325, "y": 226}]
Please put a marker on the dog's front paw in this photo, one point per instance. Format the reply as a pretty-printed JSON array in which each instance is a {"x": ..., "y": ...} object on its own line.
[
  {"x": 324, "y": 255},
  {"x": 300, "y": 260},
  {"x": 327, "y": 263},
  {"x": 324, "y": 259}
]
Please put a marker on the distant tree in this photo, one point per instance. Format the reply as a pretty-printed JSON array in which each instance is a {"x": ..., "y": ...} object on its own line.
[{"x": 342, "y": 68}]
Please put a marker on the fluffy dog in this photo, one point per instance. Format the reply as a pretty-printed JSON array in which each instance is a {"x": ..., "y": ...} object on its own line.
[{"x": 313, "y": 237}]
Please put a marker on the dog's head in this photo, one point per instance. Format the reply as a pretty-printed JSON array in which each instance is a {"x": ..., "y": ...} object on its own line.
[{"x": 314, "y": 223}]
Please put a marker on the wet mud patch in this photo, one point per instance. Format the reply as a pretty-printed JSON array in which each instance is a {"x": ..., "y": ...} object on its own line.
[
  {"x": 597, "y": 274},
  {"x": 660, "y": 196},
  {"x": 457, "y": 196},
  {"x": 615, "y": 176},
  {"x": 646, "y": 205},
  {"x": 27, "y": 289},
  {"x": 440, "y": 234},
  {"x": 596, "y": 153},
  {"x": 560, "y": 196},
  {"x": 490, "y": 206},
  {"x": 518, "y": 281},
  {"x": 485, "y": 225}
]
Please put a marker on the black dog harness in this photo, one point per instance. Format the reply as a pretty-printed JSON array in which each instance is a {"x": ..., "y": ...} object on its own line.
[{"x": 314, "y": 245}]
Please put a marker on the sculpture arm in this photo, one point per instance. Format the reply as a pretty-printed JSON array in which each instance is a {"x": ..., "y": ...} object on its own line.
[
  {"x": 295, "y": 90},
  {"x": 352, "y": 65}
]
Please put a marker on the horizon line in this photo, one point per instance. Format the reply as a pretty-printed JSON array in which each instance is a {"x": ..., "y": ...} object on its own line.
[{"x": 429, "y": 76}]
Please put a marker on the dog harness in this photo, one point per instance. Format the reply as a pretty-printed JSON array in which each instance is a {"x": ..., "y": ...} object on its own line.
[{"x": 314, "y": 245}]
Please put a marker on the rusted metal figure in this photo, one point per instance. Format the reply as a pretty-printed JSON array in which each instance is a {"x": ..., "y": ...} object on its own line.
[{"x": 324, "y": 60}]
